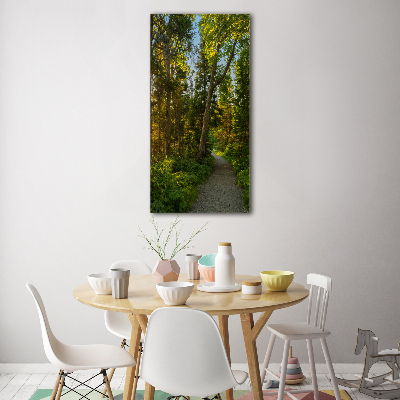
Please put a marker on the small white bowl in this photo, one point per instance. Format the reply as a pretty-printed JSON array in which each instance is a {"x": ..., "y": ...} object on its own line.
[
  {"x": 175, "y": 293},
  {"x": 101, "y": 283}
]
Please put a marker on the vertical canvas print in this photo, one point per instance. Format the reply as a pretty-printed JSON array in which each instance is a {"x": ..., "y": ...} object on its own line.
[{"x": 200, "y": 108}]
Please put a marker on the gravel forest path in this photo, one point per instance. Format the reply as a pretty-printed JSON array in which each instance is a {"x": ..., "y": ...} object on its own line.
[{"x": 220, "y": 194}]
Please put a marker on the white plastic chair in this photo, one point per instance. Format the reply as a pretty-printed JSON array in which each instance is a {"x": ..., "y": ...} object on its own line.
[
  {"x": 118, "y": 323},
  {"x": 71, "y": 358},
  {"x": 321, "y": 286},
  {"x": 185, "y": 355}
]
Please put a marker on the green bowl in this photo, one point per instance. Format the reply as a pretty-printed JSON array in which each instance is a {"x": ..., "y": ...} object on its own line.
[
  {"x": 208, "y": 260},
  {"x": 277, "y": 281}
]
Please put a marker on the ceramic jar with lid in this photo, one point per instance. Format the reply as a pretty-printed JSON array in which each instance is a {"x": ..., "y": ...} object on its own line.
[
  {"x": 224, "y": 266},
  {"x": 251, "y": 287}
]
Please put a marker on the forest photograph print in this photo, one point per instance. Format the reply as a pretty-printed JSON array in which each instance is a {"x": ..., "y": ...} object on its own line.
[{"x": 200, "y": 108}]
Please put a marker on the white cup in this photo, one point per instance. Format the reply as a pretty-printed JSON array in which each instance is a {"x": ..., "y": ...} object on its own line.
[
  {"x": 119, "y": 282},
  {"x": 192, "y": 266}
]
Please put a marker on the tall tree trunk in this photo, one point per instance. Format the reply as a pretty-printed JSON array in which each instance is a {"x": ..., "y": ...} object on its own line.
[
  {"x": 167, "y": 141},
  {"x": 159, "y": 129},
  {"x": 211, "y": 87},
  {"x": 206, "y": 120},
  {"x": 167, "y": 138},
  {"x": 178, "y": 103}
]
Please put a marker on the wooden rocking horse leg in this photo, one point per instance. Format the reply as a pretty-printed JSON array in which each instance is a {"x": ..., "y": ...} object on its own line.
[
  {"x": 394, "y": 367},
  {"x": 367, "y": 366}
]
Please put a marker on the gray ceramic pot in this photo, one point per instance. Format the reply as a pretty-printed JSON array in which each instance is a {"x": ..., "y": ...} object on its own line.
[{"x": 120, "y": 282}]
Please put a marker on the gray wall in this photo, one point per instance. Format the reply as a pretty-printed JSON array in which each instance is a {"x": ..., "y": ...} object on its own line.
[{"x": 74, "y": 159}]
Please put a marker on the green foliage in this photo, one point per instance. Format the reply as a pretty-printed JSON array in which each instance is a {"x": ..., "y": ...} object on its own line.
[
  {"x": 220, "y": 31},
  {"x": 231, "y": 137},
  {"x": 244, "y": 182},
  {"x": 174, "y": 183},
  {"x": 200, "y": 100},
  {"x": 240, "y": 160},
  {"x": 158, "y": 242}
]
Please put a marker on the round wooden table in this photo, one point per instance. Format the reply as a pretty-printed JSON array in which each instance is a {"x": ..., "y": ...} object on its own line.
[{"x": 143, "y": 299}]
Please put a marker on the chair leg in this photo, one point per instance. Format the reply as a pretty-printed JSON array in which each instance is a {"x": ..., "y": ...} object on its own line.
[
  {"x": 330, "y": 368},
  {"x": 56, "y": 386},
  {"x": 107, "y": 385},
  {"x": 136, "y": 379},
  {"x": 282, "y": 380},
  {"x": 60, "y": 387},
  {"x": 267, "y": 357},
  {"x": 312, "y": 366},
  {"x": 112, "y": 370}
]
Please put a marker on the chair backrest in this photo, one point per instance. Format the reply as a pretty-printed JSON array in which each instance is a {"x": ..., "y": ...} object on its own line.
[
  {"x": 185, "y": 354},
  {"x": 117, "y": 322},
  {"x": 50, "y": 342},
  {"x": 321, "y": 285}
]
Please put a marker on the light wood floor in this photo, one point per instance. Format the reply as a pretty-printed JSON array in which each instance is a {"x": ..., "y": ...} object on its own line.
[{"x": 20, "y": 385}]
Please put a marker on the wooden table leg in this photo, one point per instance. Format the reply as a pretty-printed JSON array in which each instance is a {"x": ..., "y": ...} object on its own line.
[
  {"x": 223, "y": 327},
  {"x": 148, "y": 390},
  {"x": 250, "y": 334},
  {"x": 133, "y": 350},
  {"x": 142, "y": 318}
]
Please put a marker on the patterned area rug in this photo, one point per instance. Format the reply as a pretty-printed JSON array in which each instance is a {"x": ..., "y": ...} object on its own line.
[{"x": 44, "y": 394}]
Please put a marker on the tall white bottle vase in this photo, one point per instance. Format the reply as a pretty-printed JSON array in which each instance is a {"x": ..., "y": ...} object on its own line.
[{"x": 224, "y": 266}]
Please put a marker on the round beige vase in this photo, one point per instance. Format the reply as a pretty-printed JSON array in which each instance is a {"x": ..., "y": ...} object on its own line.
[{"x": 166, "y": 271}]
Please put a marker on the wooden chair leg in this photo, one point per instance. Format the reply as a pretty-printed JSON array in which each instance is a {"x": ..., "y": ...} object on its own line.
[
  {"x": 136, "y": 379},
  {"x": 112, "y": 370},
  {"x": 330, "y": 368},
  {"x": 60, "y": 387},
  {"x": 282, "y": 380},
  {"x": 312, "y": 366},
  {"x": 56, "y": 386},
  {"x": 267, "y": 357},
  {"x": 107, "y": 385}
]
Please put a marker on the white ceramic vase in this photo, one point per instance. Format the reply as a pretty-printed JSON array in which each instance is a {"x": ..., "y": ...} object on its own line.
[
  {"x": 192, "y": 266},
  {"x": 224, "y": 266}
]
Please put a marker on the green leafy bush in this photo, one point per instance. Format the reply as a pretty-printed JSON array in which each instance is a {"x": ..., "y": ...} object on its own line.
[
  {"x": 240, "y": 161},
  {"x": 244, "y": 182},
  {"x": 174, "y": 183}
]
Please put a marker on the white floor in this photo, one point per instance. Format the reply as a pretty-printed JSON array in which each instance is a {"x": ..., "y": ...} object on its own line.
[{"x": 20, "y": 381}]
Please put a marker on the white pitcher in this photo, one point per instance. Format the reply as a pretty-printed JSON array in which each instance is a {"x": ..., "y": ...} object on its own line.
[{"x": 224, "y": 266}]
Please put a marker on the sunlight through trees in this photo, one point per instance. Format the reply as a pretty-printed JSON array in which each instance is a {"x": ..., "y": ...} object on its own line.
[{"x": 200, "y": 100}]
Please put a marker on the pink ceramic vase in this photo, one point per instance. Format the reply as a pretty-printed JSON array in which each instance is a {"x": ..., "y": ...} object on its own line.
[{"x": 166, "y": 271}]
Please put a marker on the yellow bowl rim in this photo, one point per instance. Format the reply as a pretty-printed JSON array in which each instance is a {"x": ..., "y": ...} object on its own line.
[{"x": 280, "y": 273}]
